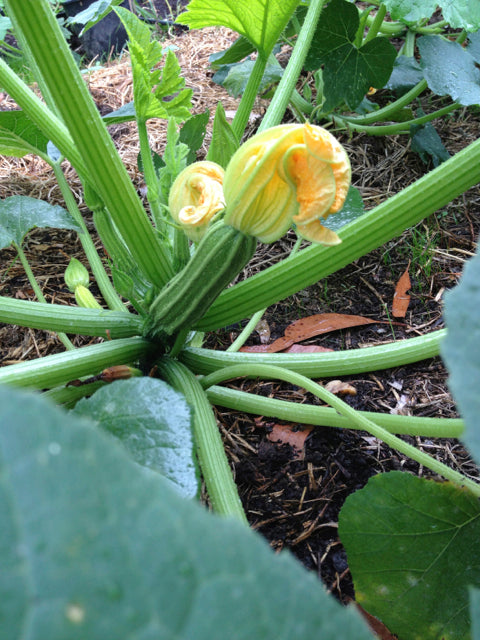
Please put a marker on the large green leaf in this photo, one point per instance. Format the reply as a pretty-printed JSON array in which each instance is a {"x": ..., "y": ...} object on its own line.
[
  {"x": 260, "y": 21},
  {"x": 413, "y": 548},
  {"x": 153, "y": 422},
  {"x": 460, "y": 14},
  {"x": 224, "y": 140},
  {"x": 19, "y": 135},
  {"x": 92, "y": 546},
  {"x": 158, "y": 92},
  {"x": 234, "y": 77},
  {"x": 348, "y": 71},
  {"x": 20, "y": 214},
  {"x": 449, "y": 69},
  {"x": 475, "y": 613},
  {"x": 461, "y": 350}
]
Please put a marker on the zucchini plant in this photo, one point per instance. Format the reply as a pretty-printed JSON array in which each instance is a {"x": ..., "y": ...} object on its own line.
[{"x": 103, "y": 488}]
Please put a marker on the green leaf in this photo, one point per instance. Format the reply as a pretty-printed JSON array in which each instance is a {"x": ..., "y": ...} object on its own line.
[
  {"x": 473, "y": 46},
  {"x": 413, "y": 550},
  {"x": 193, "y": 133},
  {"x": 460, "y": 14},
  {"x": 239, "y": 50},
  {"x": 352, "y": 209},
  {"x": 93, "y": 14},
  {"x": 5, "y": 25},
  {"x": 237, "y": 76},
  {"x": 460, "y": 350},
  {"x": 428, "y": 144},
  {"x": 95, "y": 547},
  {"x": 20, "y": 214},
  {"x": 19, "y": 135},
  {"x": 224, "y": 141},
  {"x": 405, "y": 75},
  {"x": 449, "y": 69},
  {"x": 157, "y": 92},
  {"x": 348, "y": 72},
  {"x": 260, "y": 21},
  {"x": 153, "y": 422},
  {"x": 410, "y": 11},
  {"x": 126, "y": 113}
]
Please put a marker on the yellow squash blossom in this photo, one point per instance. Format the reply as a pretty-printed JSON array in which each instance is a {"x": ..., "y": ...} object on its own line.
[
  {"x": 196, "y": 196},
  {"x": 294, "y": 173}
]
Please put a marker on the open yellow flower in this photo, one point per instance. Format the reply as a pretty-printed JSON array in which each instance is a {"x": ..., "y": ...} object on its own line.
[
  {"x": 196, "y": 196},
  {"x": 294, "y": 173}
]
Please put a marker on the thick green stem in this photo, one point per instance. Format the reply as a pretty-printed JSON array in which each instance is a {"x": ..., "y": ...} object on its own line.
[
  {"x": 61, "y": 368},
  {"x": 216, "y": 471},
  {"x": 393, "y": 129},
  {"x": 73, "y": 320},
  {"x": 386, "y": 113},
  {"x": 328, "y": 417},
  {"x": 103, "y": 281},
  {"x": 105, "y": 170},
  {"x": 245, "y": 107},
  {"x": 376, "y": 25},
  {"x": 150, "y": 175},
  {"x": 270, "y": 372},
  {"x": 283, "y": 94},
  {"x": 369, "y": 231},
  {"x": 392, "y": 354},
  {"x": 64, "y": 339},
  {"x": 44, "y": 119}
]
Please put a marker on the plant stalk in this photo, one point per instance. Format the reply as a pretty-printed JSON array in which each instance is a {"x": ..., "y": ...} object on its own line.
[
  {"x": 64, "y": 339},
  {"x": 269, "y": 372},
  {"x": 392, "y": 354},
  {"x": 328, "y": 417},
  {"x": 72, "y": 320},
  {"x": 61, "y": 368},
  {"x": 216, "y": 471},
  {"x": 281, "y": 98},
  {"x": 105, "y": 170},
  {"x": 103, "y": 281}
]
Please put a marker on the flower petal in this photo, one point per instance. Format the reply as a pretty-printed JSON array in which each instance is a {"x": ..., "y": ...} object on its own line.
[{"x": 316, "y": 232}]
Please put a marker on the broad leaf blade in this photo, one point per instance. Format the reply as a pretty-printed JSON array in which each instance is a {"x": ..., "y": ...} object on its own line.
[
  {"x": 19, "y": 135},
  {"x": 449, "y": 69},
  {"x": 349, "y": 72},
  {"x": 413, "y": 550},
  {"x": 461, "y": 350},
  {"x": 460, "y": 14},
  {"x": 20, "y": 214},
  {"x": 153, "y": 422},
  {"x": 224, "y": 141},
  {"x": 101, "y": 549},
  {"x": 260, "y": 21}
]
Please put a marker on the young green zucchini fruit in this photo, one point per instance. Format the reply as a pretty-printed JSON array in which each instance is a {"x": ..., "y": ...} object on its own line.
[{"x": 218, "y": 259}]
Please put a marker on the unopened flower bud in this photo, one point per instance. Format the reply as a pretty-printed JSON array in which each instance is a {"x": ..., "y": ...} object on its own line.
[{"x": 196, "y": 196}]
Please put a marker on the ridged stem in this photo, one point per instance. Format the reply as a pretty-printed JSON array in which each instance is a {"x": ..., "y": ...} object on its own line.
[
  {"x": 103, "y": 281},
  {"x": 328, "y": 417},
  {"x": 385, "y": 113},
  {"x": 64, "y": 339},
  {"x": 37, "y": 23},
  {"x": 369, "y": 231},
  {"x": 245, "y": 107},
  {"x": 213, "y": 462},
  {"x": 61, "y": 368},
  {"x": 393, "y": 354},
  {"x": 76, "y": 320},
  {"x": 283, "y": 93},
  {"x": 397, "y": 127},
  {"x": 362, "y": 422}
]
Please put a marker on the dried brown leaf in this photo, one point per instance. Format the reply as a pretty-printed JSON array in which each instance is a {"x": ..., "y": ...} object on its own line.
[{"x": 401, "y": 299}]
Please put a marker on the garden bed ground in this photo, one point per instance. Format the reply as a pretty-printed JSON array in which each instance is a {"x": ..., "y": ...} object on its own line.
[{"x": 293, "y": 500}]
